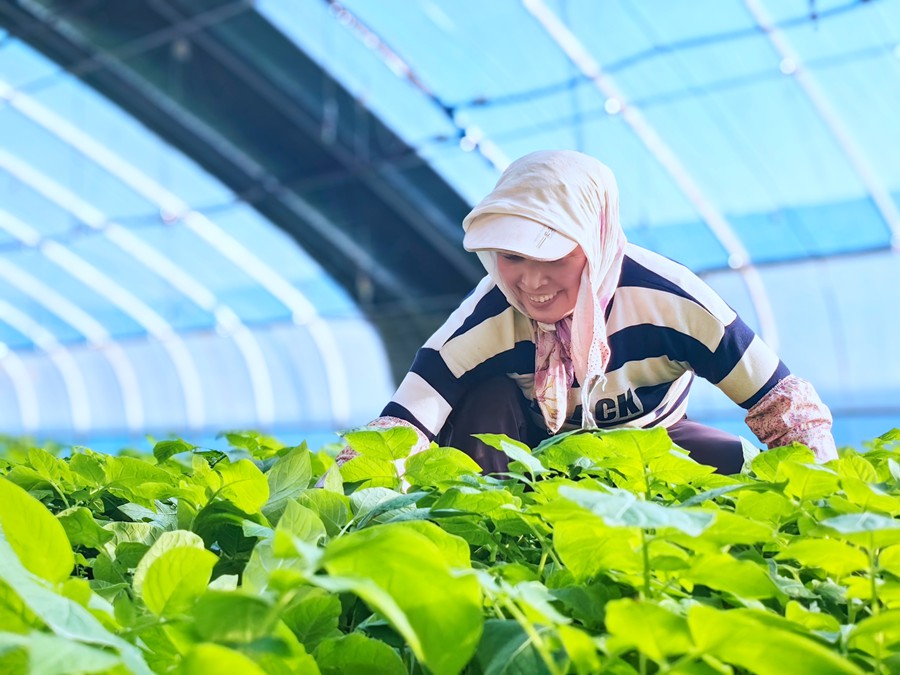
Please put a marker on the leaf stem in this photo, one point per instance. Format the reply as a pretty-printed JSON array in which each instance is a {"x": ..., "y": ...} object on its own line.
[
  {"x": 59, "y": 491},
  {"x": 533, "y": 635},
  {"x": 645, "y": 551},
  {"x": 873, "y": 571},
  {"x": 546, "y": 548},
  {"x": 874, "y": 605},
  {"x": 542, "y": 562}
]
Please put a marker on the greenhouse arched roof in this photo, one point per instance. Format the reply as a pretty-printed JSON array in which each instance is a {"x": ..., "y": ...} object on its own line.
[{"x": 246, "y": 214}]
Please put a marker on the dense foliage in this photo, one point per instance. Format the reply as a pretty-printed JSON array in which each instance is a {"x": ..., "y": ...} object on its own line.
[{"x": 609, "y": 552}]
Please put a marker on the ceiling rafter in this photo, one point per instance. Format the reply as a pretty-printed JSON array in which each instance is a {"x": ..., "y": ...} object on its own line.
[
  {"x": 60, "y": 357},
  {"x": 804, "y": 78},
  {"x": 379, "y": 231},
  {"x": 26, "y": 395},
  {"x": 134, "y": 307},
  {"x": 303, "y": 312},
  {"x": 162, "y": 266},
  {"x": 96, "y": 335},
  {"x": 738, "y": 257}
]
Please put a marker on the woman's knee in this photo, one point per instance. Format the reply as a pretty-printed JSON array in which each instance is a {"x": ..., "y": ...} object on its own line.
[
  {"x": 709, "y": 446},
  {"x": 495, "y": 406}
]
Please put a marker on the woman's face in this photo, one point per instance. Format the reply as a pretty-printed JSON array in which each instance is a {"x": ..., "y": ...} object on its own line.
[{"x": 547, "y": 290}]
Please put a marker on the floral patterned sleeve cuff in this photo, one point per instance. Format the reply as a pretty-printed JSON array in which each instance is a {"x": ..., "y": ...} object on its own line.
[{"x": 793, "y": 412}]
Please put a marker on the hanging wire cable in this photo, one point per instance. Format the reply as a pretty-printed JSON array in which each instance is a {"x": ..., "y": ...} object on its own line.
[{"x": 471, "y": 138}]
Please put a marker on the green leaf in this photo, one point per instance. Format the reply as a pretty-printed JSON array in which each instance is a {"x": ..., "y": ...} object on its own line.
[
  {"x": 243, "y": 484},
  {"x": 332, "y": 508},
  {"x": 258, "y": 445},
  {"x": 869, "y": 497},
  {"x": 808, "y": 481},
  {"x": 287, "y": 478},
  {"x": 653, "y": 630},
  {"x": 506, "y": 649},
  {"x": 313, "y": 615},
  {"x": 82, "y": 529},
  {"x": 372, "y": 503},
  {"x": 369, "y": 472},
  {"x": 722, "y": 572},
  {"x": 440, "y": 614},
  {"x": 231, "y": 617},
  {"x": 816, "y": 621},
  {"x": 219, "y": 521},
  {"x": 742, "y": 640},
  {"x": 89, "y": 469},
  {"x": 38, "y": 538},
  {"x": 533, "y": 599},
  {"x": 516, "y": 451},
  {"x": 877, "y": 634},
  {"x": 64, "y": 617},
  {"x": 302, "y": 522},
  {"x": 14, "y": 614},
  {"x": 564, "y": 458},
  {"x": 871, "y": 530},
  {"x": 164, "y": 515},
  {"x": 729, "y": 529},
  {"x": 136, "y": 480},
  {"x": 207, "y": 658},
  {"x": 856, "y": 466},
  {"x": 568, "y": 448},
  {"x": 383, "y": 444},
  {"x": 621, "y": 508},
  {"x": 265, "y": 569},
  {"x": 358, "y": 654},
  {"x": 628, "y": 453},
  {"x": 835, "y": 557},
  {"x": 588, "y": 547},
  {"x": 176, "y": 579},
  {"x": 766, "y": 464},
  {"x": 717, "y": 492},
  {"x": 889, "y": 559},
  {"x": 580, "y": 648},
  {"x": 487, "y": 503},
  {"x": 31, "y": 481},
  {"x": 165, "y": 542},
  {"x": 454, "y": 550},
  {"x": 52, "y": 468},
  {"x": 165, "y": 449},
  {"x": 675, "y": 468},
  {"x": 766, "y": 507},
  {"x": 639, "y": 444},
  {"x": 438, "y": 466},
  {"x": 53, "y": 654},
  {"x": 472, "y": 530},
  {"x": 892, "y": 435}
]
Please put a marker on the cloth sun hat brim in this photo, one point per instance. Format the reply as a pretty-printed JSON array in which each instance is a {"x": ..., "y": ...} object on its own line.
[{"x": 518, "y": 235}]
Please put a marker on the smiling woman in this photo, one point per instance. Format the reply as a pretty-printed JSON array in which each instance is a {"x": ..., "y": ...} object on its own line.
[
  {"x": 548, "y": 288},
  {"x": 576, "y": 328}
]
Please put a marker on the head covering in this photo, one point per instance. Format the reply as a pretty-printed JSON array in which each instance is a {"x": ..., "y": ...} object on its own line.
[
  {"x": 515, "y": 234},
  {"x": 575, "y": 196}
]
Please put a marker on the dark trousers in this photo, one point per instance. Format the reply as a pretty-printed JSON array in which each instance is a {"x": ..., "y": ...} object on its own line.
[{"x": 498, "y": 407}]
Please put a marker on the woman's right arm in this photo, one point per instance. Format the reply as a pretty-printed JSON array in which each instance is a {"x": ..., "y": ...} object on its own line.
[{"x": 468, "y": 347}]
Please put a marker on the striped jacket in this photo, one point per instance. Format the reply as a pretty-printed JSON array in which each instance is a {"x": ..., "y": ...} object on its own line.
[{"x": 664, "y": 325}]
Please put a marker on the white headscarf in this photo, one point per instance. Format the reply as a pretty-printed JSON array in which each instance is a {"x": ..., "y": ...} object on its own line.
[{"x": 575, "y": 195}]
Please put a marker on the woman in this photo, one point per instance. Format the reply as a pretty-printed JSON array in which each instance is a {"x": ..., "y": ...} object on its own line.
[{"x": 573, "y": 327}]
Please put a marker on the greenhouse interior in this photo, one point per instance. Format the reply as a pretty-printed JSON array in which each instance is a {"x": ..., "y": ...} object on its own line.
[
  {"x": 355, "y": 337},
  {"x": 246, "y": 215}
]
